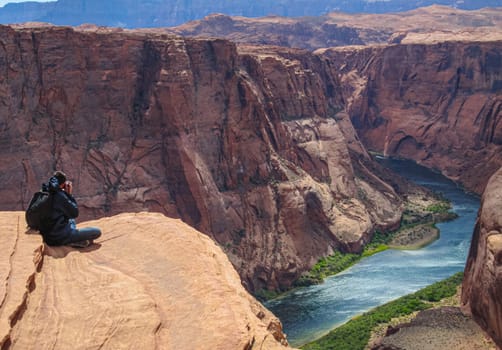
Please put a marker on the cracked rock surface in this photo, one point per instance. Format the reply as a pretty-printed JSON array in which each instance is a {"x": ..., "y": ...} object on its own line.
[{"x": 149, "y": 282}]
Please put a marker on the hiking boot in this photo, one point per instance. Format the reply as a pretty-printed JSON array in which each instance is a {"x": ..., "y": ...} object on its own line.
[{"x": 81, "y": 244}]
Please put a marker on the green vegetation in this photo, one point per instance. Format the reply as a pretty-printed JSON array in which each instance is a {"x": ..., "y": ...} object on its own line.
[
  {"x": 355, "y": 334},
  {"x": 328, "y": 266},
  {"x": 265, "y": 294},
  {"x": 441, "y": 207},
  {"x": 339, "y": 261},
  {"x": 370, "y": 250},
  {"x": 378, "y": 243}
]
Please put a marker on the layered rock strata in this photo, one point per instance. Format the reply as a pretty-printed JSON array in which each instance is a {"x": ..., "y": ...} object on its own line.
[
  {"x": 250, "y": 147},
  {"x": 482, "y": 285},
  {"x": 149, "y": 282},
  {"x": 425, "y": 25},
  {"x": 439, "y": 104}
]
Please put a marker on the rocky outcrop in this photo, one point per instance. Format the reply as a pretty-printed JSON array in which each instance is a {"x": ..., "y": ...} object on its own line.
[
  {"x": 149, "y": 282},
  {"x": 482, "y": 285},
  {"x": 438, "y": 104},
  {"x": 248, "y": 146},
  {"x": 437, "y": 328}
]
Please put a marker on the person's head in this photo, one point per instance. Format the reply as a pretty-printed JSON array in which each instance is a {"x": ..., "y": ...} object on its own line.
[{"x": 61, "y": 177}]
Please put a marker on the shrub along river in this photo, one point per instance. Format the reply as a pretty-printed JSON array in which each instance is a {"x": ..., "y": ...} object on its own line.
[{"x": 310, "y": 312}]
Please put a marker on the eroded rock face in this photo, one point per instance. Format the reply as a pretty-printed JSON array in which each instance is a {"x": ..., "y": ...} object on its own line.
[
  {"x": 440, "y": 104},
  {"x": 149, "y": 282},
  {"x": 424, "y": 25},
  {"x": 249, "y": 147},
  {"x": 303, "y": 32},
  {"x": 482, "y": 285}
]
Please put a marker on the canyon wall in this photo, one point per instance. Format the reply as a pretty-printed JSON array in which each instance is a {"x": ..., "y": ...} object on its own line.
[
  {"x": 482, "y": 286},
  {"x": 424, "y": 25},
  {"x": 250, "y": 147},
  {"x": 439, "y": 104},
  {"x": 303, "y": 32}
]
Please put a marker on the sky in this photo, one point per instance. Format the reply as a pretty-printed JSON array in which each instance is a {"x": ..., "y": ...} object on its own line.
[{"x": 3, "y": 2}]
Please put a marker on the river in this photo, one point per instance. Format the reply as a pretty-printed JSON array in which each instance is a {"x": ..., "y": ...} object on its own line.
[{"x": 310, "y": 312}]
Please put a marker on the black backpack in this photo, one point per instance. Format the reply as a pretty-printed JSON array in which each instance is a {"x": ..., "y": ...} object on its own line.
[{"x": 39, "y": 210}]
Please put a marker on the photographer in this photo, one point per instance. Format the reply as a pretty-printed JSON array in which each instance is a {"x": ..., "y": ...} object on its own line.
[{"x": 61, "y": 228}]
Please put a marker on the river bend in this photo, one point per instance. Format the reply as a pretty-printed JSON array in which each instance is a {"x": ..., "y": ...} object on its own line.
[{"x": 311, "y": 312}]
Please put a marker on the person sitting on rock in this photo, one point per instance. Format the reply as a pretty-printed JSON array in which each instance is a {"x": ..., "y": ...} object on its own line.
[{"x": 61, "y": 228}]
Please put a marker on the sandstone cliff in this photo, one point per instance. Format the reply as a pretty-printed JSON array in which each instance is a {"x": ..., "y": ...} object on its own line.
[
  {"x": 249, "y": 147},
  {"x": 303, "y": 32},
  {"x": 439, "y": 104},
  {"x": 482, "y": 286},
  {"x": 149, "y": 282},
  {"x": 435, "y": 99},
  {"x": 424, "y": 25}
]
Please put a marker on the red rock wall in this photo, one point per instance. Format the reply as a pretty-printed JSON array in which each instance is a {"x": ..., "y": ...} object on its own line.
[
  {"x": 247, "y": 147},
  {"x": 440, "y": 105},
  {"x": 482, "y": 285}
]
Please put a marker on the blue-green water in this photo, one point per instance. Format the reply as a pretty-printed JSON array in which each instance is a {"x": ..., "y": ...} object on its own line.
[{"x": 308, "y": 313}]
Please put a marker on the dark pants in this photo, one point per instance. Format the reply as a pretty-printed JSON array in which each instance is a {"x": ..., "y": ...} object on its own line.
[{"x": 82, "y": 234}]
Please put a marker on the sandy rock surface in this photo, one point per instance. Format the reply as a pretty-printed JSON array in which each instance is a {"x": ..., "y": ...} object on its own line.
[
  {"x": 149, "y": 282},
  {"x": 441, "y": 328}
]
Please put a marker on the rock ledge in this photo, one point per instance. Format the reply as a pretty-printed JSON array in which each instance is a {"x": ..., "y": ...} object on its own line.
[{"x": 150, "y": 282}]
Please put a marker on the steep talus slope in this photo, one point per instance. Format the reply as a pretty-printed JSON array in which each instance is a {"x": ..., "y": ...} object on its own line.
[
  {"x": 249, "y": 147},
  {"x": 438, "y": 104},
  {"x": 482, "y": 286},
  {"x": 149, "y": 282}
]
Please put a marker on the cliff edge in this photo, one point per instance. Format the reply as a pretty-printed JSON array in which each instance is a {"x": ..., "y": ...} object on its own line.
[
  {"x": 482, "y": 286},
  {"x": 150, "y": 282}
]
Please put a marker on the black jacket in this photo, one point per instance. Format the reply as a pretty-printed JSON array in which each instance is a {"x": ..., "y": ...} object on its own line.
[{"x": 64, "y": 208}]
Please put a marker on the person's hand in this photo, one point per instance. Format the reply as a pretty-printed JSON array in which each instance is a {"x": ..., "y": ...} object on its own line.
[{"x": 68, "y": 187}]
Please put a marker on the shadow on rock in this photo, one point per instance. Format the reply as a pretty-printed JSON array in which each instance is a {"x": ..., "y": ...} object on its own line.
[{"x": 61, "y": 252}]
